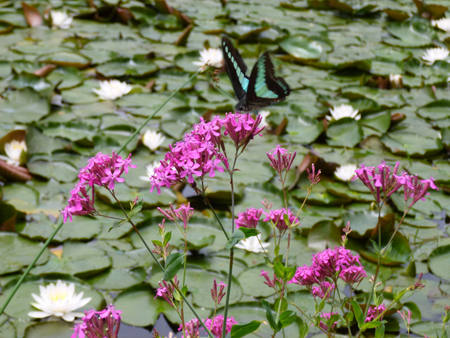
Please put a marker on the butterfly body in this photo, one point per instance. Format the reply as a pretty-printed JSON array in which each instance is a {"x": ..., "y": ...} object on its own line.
[{"x": 259, "y": 90}]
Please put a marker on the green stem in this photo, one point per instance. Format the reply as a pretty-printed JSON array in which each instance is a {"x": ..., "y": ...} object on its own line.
[
  {"x": 230, "y": 270},
  {"x": 27, "y": 271},
  {"x": 156, "y": 111}
]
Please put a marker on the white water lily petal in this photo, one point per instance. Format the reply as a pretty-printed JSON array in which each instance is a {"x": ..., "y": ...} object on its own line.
[
  {"x": 61, "y": 19},
  {"x": 342, "y": 111},
  {"x": 210, "y": 57},
  {"x": 13, "y": 151},
  {"x": 153, "y": 139},
  {"x": 434, "y": 54},
  {"x": 443, "y": 24},
  {"x": 345, "y": 172},
  {"x": 58, "y": 300},
  {"x": 252, "y": 244},
  {"x": 113, "y": 89}
]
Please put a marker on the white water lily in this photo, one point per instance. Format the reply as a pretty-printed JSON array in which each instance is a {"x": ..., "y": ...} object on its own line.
[
  {"x": 210, "y": 57},
  {"x": 252, "y": 244},
  {"x": 396, "y": 80},
  {"x": 345, "y": 172},
  {"x": 264, "y": 114},
  {"x": 113, "y": 89},
  {"x": 61, "y": 19},
  {"x": 58, "y": 300},
  {"x": 434, "y": 54},
  {"x": 442, "y": 24},
  {"x": 13, "y": 151},
  {"x": 150, "y": 170},
  {"x": 153, "y": 139},
  {"x": 342, "y": 111}
]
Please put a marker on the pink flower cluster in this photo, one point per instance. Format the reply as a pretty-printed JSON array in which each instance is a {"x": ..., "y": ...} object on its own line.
[
  {"x": 218, "y": 295},
  {"x": 214, "y": 325},
  {"x": 105, "y": 323},
  {"x": 384, "y": 178},
  {"x": 202, "y": 150},
  {"x": 102, "y": 170},
  {"x": 183, "y": 213},
  {"x": 277, "y": 217},
  {"x": 374, "y": 311},
  {"x": 280, "y": 159},
  {"x": 166, "y": 290},
  {"x": 269, "y": 282},
  {"x": 333, "y": 263},
  {"x": 249, "y": 219},
  {"x": 323, "y": 291}
]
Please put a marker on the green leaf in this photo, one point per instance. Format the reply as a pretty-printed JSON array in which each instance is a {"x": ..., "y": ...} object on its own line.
[
  {"x": 289, "y": 273},
  {"x": 173, "y": 265},
  {"x": 249, "y": 232},
  {"x": 279, "y": 270},
  {"x": 287, "y": 318},
  {"x": 358, "y": 313},
  {"x": 136, "y": 209},
  {"x": 238, "y": 331},
  {"x": 269, "y": 316},
  {"x": 370, "y": 325},
  {"x": 118, "y": 223},
  {"x": 167, "y": 237},
  {"x": 235, "y": 238},
  {"x": 304, "y": 330},
  {"x": 379, "y": 331}
]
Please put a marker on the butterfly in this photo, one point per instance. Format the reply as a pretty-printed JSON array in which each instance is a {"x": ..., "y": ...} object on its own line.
[{"x": 262, "y": 89}]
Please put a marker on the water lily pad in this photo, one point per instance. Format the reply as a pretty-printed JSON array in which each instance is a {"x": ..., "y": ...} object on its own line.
[
  {"x": 438, "y": 259},
  {"x": 24, "y": 105},
  {"x": 18, "y": 252},
  {"x": 78, "y": 259},
  {"x": 135, "y": 66},
  {"x": 302, "y": 47},
  {"x": 118, "y": 279},
  {"x": 344, "y": 132},
  {"x": 59, "y": 329}
]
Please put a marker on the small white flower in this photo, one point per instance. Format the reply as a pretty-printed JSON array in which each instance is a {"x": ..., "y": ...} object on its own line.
[
  {"x": 443, "y": 24},
  {"x": 345, "y": 172},
  {"x": 13, "y": 151},
  {"x": 396, "y": 80},
  {"x": 113, "y": 89},
  {"x": 433, "y": 54},
  {"x": 58, "y": 300},
  {"x": 150, "y": 170},
  {"x": 252, "y": 244},
  {"x": 210, "y": 57},
  {"x": 264, "y": 114},
  {"x": 342, "y": 111},
  {"x": 153, "y": 139},
  {"x": 61, "y": 19}
]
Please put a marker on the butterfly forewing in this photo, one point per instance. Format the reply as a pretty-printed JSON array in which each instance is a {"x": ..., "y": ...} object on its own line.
[
  {"x": 264, "y": 87},
  {"x": 236, "y": 68}
]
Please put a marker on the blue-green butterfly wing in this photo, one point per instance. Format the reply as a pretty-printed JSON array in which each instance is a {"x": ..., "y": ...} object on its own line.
[
  {"x": 236, "y": 68},
  {"x": 264, "y": 87}
]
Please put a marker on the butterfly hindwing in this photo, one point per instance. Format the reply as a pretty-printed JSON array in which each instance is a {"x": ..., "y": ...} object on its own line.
[
  {"x": 264, "y": 87},
  {"x": 236, "y": 68}
]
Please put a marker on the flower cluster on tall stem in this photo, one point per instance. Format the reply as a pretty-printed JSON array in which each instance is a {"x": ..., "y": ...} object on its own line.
[
  {"x": 202, "y": 151},
  {"x": 102, "y": 170},
  {"x": 105, "y": 323},
  {"x": 383, "y": 181},
  {"x": 331, "y": 263}
]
